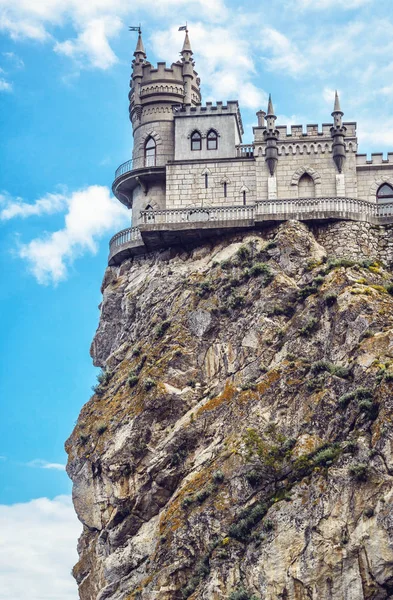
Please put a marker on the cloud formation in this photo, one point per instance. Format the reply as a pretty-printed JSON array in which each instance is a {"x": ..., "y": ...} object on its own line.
[
  {"x": 226, "y": 68},
  {"x": 38, "y": 549},
  {"x": 95, "y": 23},
  {"x": 15, "y": 207},
  {"x": 91, "y": 213},
  {"x": 38, "y": 463}
]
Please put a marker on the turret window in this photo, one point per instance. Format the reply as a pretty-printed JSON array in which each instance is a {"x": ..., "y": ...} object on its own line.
[
  {"x": 225, "y": 189},
  {"x": 150, "y": 153},
  {"x": 385, "y": 193},
  {"x": 196, "y": 141},
  {"x": 212, "y": 140}
]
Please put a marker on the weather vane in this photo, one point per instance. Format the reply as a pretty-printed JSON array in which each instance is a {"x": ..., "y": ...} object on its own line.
[{"x": 138, "y": 29}]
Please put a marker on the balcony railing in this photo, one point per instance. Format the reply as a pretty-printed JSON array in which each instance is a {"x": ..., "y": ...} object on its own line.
[
  {"x": 263, "y": 210},
  {"x": 126, "y": 167},
  {"x": 245, "y": 150},
  {"x": 304, "y": 206},
  {"x": 197, "y": 214},
  {"x": 140, "y": 162},
  {"x": 132, "y": 234}
]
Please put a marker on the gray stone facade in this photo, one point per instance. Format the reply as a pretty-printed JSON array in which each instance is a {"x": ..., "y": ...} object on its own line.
[{"x": 189, "y": 156}]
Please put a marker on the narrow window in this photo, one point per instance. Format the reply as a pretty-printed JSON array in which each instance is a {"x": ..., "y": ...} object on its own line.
[
  {"x": 244, "y": 197},
  {"x": 150, "y": 153},
  {"x": 206, "y": 180},
  {"x": 196, "y": 141},
  {"x": 385, "y": 193},
  {"x": 212, "y": 140},
  {"x": 225, "y": 189}
]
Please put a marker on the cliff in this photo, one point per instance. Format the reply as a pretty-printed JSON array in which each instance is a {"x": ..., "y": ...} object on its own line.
[{"x": 239, "y": 442}]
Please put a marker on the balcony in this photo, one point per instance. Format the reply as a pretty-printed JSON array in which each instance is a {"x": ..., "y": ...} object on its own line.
[
  {"x": 136, "y": 172},
  {"x": 162, "y": 228}
]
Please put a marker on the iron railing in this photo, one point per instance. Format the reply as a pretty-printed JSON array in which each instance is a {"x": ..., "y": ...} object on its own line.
[{"x": 140, "y": 162}]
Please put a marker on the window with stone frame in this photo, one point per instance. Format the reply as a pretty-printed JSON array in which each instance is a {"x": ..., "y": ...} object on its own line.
[
  {"x": 150, "y": 152},
  {"x": 196, "y": 141},
  {"x": 212, "y": 140},
  {"x": 385, "y": 193}
]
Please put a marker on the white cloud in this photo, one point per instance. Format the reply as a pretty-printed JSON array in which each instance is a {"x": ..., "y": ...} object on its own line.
[
  {"x": 335, "y": 4},
  {"x": 5, "y": 86},
  {"x": 38, "y": 463},
  {"x": 226, "y": 67},
  {"x": 14, "y": 59},
  {"x": 38, "y": 549},
  {"x": 95, "y": 22},
  {"x": 92, "y": 44},
  {"x": 91, "y": 214},
  {"x": 285, "y": 56},
  {"x": 15, "y": 207}
]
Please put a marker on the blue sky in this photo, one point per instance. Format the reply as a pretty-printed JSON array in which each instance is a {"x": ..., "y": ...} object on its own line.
[{"x": 64, "y": 76}]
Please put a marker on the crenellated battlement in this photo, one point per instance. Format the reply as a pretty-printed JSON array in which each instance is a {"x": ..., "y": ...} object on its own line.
[
  {"x": 232, "y": 106},
  {"x": 210, "y": 109},
  {"x": 312, "y": 131},
  {"x": 376, "y": 159},
  {"x": 162, "y": 72}
]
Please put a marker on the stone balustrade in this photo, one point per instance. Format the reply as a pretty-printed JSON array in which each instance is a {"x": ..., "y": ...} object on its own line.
[
  {"x": 199, "y": 218},
  {"x": 245, "y": 151}
]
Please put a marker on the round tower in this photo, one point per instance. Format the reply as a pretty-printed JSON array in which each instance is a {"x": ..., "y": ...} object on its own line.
[{"x": 154, "y": 93}]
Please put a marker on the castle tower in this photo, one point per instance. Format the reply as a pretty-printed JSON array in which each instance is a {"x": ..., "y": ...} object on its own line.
[
  {"x": 271, "y": 137},
  {"x": 338, "y": 133},
  {"x": 154, "y": 93}
]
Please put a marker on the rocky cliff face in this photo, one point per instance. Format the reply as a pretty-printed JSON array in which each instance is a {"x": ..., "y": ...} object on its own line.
[{"x": 239, "y": 443}]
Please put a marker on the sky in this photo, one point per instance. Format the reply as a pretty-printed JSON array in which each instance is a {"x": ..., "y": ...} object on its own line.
[{"x": 64, "y": 129}]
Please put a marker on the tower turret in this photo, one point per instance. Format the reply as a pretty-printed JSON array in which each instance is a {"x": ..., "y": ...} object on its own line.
[
  {"x": 338, "y": 133},
  {"x": 188, "y": 69},
  {"x": 137, "y": 75},
  {"x": 271, "y": 136}
]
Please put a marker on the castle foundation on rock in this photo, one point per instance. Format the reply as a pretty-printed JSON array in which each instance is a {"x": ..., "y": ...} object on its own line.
[{"x": 191, "y": 177}]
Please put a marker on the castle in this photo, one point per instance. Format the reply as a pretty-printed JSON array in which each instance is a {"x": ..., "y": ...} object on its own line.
[{"x": 191, "y": 177}]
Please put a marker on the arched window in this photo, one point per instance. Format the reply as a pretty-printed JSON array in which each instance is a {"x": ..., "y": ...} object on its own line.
[
  {"x": 212, "y": 140},
  {"x": 225, "y": 189},
  {"x": 306, "y": 186},
  {"x": 385, "y": 193},
  {"x": 150, "y": 152},
  {"x": 196, "y": 141}
]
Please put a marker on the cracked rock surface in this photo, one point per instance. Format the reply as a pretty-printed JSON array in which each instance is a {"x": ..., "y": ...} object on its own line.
[{"x": 239, "y": 443}]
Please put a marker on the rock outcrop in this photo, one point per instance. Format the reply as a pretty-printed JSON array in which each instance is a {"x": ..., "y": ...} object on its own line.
[{"x": 239, "y": 441}]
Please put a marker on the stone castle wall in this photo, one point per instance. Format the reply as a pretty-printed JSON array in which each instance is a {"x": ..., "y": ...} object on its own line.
[
  {"x": 185, "y": 184},
  {"x": 347, "y": 239}
]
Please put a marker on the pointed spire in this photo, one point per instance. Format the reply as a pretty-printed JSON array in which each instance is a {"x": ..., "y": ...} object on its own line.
[
  {"x": 270, "y": 109},
  {"x": 140, "y": 49},
  {"x": 337, "y": 107},
  {"x": 186, "y": 45}
]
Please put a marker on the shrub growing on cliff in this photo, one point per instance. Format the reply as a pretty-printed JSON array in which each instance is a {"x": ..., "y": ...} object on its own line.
[
  {"x": 103, "y": 378},
  {"x": 330, "y": 298},
  {"x": 236, "y": 300},
  {"x": 243, "y": 254},
  {"x": 359, "y": 471},
  {"x": 101, "y": 427},
  {"x": 309, "y": 327},
  {"x": 148, "y": 384},
  {"x": 162, "y": 328},
  {"x": 132, "y": 379},
  {"x": 326, "y": 456},
  {"x": 242, "y": 594}
]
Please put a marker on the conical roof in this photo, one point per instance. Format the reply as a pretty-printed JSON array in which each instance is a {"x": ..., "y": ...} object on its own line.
[
  {"x": 186, "y": 45},
  {"x": 337, "y": 107},
  {"x": 140, "y": 49},
  {"x": 270, "y": 109}
]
